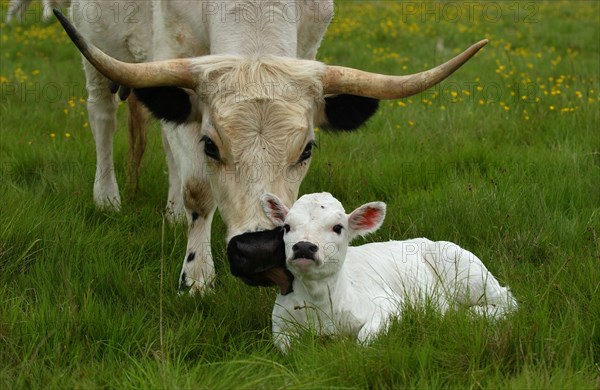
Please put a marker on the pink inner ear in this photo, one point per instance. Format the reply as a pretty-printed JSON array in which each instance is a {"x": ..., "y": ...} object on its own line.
[
  {"x": 276, "y": 210},
  {"x": 367, "y": 218},
  {"x": 273, "y": 205}
]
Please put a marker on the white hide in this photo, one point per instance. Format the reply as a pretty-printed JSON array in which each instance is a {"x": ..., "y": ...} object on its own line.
[
  {"x": 122, "y": 29},
  {"x": 357, "y": 290},
  {"x": 259, "y": 139},
  {"x": 18, "y": 8}
]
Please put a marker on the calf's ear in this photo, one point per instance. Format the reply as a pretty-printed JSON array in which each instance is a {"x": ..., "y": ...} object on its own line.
[
  {"x": 274, "y": 208},
  {"x": 366, "y": 219}
]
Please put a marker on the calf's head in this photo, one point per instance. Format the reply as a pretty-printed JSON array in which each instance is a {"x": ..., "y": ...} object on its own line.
[{"x": 317, "y": 231}]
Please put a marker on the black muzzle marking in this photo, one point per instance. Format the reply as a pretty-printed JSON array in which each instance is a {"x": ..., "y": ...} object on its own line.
[{"x": 258, "y": 259}]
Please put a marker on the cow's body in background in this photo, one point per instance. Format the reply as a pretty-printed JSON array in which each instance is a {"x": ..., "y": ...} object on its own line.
[
  {"x": 358, "y": 290},
  {"x": 18, "y": 8},
  {"x": 124, "y": 29},
  {"x": 238, "y": 117}
]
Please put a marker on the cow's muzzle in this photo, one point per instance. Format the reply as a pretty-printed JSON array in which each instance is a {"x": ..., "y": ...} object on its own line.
[{"x": 258, "y": 259}]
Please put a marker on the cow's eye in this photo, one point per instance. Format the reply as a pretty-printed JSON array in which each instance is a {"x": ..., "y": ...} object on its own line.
[
  {"x": 210, "y": 149},
  {"x": 307, "y": 151},
  {"x": 286, "y": 228},
  {"x": 338, "y": 228}
]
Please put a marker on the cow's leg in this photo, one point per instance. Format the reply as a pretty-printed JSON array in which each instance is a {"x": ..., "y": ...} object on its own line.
[
  {"x": 197, "y": 271},
  {"x": 175, "y": 210},
  {"x": 315, "y": 16},
  {"x": 17, "y": 8},
  {"x": 102, "y": 109},
  {"x": 343, "y": 112},
  {"x": 137, "y": 125},
  {"x": 47, "y": 6}
]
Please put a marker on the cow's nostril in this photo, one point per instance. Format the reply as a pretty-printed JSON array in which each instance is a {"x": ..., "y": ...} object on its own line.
[{"x": 313, "y": 248}]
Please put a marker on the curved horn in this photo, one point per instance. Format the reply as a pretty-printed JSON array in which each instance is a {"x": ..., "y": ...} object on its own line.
[
  {"x": 340, "y": 80},
  {"x": 175, "y": 73}
]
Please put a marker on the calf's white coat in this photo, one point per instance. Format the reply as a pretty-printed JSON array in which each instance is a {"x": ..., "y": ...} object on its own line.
[{"x": 357, "y": 290}]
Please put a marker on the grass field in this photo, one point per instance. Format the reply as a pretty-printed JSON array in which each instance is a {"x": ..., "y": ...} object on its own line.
[{"x": 503, "y": 159}]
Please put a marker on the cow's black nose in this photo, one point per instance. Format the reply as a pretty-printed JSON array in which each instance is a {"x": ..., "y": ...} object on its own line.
[
  {"x": 304, "y": 249},
  {"x": 258, "y": 258}
]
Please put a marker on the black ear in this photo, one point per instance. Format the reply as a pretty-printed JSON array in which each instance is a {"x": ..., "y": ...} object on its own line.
[
  {"x": 169, "y": 103},
  {"x": 348, "y": 112}
]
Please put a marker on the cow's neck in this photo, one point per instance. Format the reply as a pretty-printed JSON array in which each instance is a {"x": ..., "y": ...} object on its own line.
[{"x": 254, "y": 29}]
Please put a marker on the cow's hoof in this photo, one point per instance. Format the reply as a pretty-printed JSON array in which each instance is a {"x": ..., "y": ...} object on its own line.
[
  {"x": 108, "y": 203},
  {"x": 193, "y": 287}
]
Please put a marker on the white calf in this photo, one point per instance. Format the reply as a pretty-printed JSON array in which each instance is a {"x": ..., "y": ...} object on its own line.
[
  {"x": 357, "y": 290},
  {"x": 17, "y": 8}
]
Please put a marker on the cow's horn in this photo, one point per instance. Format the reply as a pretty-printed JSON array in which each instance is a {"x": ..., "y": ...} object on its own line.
[
  {"x": 340, "y": 80},
  {"x": 174, "y": 73}
]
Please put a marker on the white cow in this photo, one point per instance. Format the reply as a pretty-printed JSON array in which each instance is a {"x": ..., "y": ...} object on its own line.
[
  {"x": 238, "y": 116},
  {"x": 357, "y": 290},
  {"x": 17, "y": 8},
  {"x": 121, "y": 28}
]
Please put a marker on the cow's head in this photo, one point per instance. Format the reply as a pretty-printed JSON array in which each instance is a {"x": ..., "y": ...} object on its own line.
[
  {"x": 317, "y": 231},
  {"x": 254, "y": 121}
]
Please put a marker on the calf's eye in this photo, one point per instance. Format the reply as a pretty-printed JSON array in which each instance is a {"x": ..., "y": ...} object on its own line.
[
  {"x": 338, "y": 228},
  {"x": 286, "y": 228}
]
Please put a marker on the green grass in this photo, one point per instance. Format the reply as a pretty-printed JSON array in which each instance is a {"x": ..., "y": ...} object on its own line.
[{"x": 512, "y": 179}]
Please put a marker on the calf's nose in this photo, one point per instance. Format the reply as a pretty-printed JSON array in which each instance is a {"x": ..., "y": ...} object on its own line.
[{"x": 304, "y": 249}]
